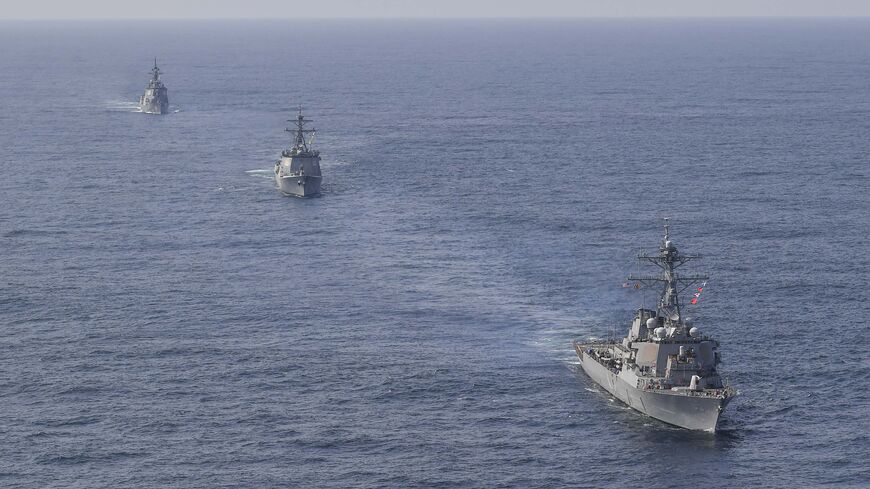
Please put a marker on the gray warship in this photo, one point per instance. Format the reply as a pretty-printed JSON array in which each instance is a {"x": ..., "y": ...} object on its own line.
[
  {"x": 298, "y": 171},
  {"x": 155, "y": 100},
  {"x": 664, "y": 368}
]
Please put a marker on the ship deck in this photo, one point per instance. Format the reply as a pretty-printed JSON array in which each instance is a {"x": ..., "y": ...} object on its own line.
[{"x": 723, "y": 393}]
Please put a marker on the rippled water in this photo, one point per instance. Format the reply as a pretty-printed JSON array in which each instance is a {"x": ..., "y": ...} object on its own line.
[{"x": 170, "y": 320}]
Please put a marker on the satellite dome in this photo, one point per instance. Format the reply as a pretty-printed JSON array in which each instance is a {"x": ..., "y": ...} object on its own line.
[
  {"x": 694, "y": 332},
  {"x": 669, "y": 245},
  {"x": 661, "y": 332},
  {"x": 651, "y": 323}
]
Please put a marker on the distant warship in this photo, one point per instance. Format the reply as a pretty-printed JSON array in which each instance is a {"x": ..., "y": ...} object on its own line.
[
  {"x": 155, "y": 100},
  {"x": 298, "y": 170},
  {"x": 664, "y": 368}
]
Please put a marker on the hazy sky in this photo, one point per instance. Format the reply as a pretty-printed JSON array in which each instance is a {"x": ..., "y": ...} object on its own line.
[{"x": 144, "y": 9}]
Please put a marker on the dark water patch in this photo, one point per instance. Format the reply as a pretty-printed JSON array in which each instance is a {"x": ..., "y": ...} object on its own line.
[
  {"x": 85, "y": 390},
  {"x": 758, "y": 173},
  {"x": 69, "y": 422},
  {"x": 18, "y": 233},
  {"x": 47, "y": 434},
  {"x": 86, "y": 458}
]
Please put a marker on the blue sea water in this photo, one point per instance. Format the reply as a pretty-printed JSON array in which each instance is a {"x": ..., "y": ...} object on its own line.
[{"x": 170, "y": 320}]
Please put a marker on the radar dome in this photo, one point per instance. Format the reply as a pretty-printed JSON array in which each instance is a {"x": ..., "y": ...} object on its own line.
[
  {"x": 651, "y": 323},
  {"x": 669, "y": 244},
  {"x": 661, "y": 332},
  {"x": 694, "y": 332}
]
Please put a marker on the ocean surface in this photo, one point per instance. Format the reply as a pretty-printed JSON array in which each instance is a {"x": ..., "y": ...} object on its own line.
[{"x": 169, "y": 319}]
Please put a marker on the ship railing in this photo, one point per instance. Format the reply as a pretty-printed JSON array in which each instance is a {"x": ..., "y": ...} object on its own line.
[
  {"x": 596, "y": 343},
  {"x": 300, "y": 174},
  {"x": 300, "y": 153},
  {"x": 722, "y": 393}
]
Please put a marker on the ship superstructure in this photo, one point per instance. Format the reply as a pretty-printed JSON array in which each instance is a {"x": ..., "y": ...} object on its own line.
[
  {"x": 664, "y": 368},
  {"x": 298, "y": 171},
  {"x": 155, "y": 100}
]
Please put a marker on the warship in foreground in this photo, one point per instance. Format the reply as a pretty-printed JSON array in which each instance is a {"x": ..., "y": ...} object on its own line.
[
  {"x": 298, "y": 170},
  {"x": 664, "y": 368},
  {"x": 155, "y": 100}
]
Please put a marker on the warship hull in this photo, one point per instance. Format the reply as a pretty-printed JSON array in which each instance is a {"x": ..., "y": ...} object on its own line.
[
  {"x": 299, "y": 175},
  {"x": 693, "y": 412},
  {"x": 299, "y": 186},
  {"x": 154, "y": 103}
]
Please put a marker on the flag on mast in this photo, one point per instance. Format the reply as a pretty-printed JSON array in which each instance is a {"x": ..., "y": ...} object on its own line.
[{"x": 697, "y": 295}]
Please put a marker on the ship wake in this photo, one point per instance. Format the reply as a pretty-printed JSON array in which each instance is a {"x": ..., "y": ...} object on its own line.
[
  {"x": 122, "y": 106},
  {"x": 261, "y": 173}
]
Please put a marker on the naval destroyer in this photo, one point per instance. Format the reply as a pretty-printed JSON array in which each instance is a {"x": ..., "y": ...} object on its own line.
[
  {"x": 664, "y": 368},
  {"x": 155, "y": 100},
  {"x": 298, "y": 171}
]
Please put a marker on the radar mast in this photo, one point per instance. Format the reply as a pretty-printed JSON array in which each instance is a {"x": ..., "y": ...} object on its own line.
[
  {"x": 668, "y": 260},
  {"x": 299, "y": 142},
  {"x": 155, "y": 72}
]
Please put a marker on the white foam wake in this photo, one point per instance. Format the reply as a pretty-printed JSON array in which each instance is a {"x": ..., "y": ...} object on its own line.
[{"x": 122, "y": 106}]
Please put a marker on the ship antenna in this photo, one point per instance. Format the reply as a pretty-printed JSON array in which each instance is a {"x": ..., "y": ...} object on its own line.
[
  {"x": 642, "y": 288},
  {"x": 300, "y": 123},
  {"x": 667, "y": 228},
  {"x": 300, "y": 131},
  {"x": 155, "y": 72}
]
